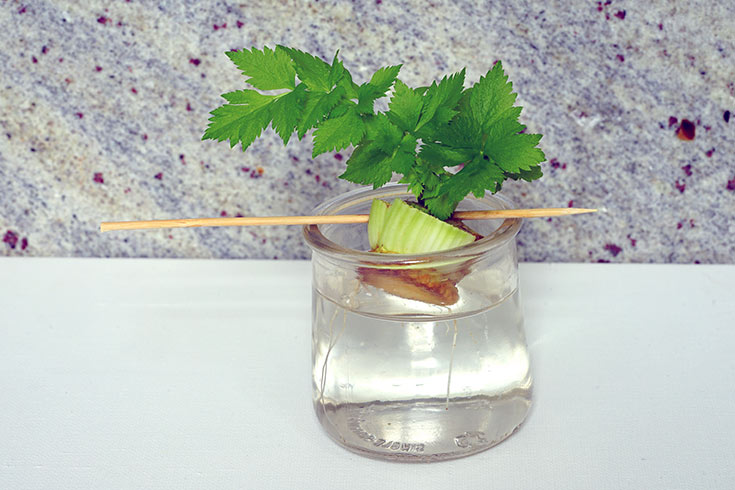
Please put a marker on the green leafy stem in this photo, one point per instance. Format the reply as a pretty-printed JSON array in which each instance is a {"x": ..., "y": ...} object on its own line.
[{"x": 425, "y": 136}]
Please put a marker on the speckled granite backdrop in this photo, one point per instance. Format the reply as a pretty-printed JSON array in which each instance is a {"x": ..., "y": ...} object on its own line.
[{"x": 102, "y": 106}]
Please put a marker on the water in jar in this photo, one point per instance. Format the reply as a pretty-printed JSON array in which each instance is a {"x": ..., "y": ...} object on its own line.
[{"x": 420, "y": 390}]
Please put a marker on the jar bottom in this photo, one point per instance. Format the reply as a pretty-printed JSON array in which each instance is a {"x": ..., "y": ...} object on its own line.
[{"x": 423, "y": 431}]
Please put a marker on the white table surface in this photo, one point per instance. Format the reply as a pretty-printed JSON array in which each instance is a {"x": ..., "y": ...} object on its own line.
[{"x": 195, "y": 374}]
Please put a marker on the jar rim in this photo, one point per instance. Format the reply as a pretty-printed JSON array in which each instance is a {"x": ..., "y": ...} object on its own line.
[{"x": 320, "y": 243}]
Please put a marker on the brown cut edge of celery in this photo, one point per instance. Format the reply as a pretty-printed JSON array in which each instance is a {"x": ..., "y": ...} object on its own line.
[{"x": 429, "y": 285}]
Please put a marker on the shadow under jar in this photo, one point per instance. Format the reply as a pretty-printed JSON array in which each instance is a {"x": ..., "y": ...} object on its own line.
[{"x": 417, "y": 357}]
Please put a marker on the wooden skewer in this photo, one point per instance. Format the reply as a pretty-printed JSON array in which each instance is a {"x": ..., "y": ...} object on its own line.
[{"x": 329, "y": 219}]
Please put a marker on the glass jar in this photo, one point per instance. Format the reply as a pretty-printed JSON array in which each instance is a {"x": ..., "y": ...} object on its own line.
[{"x": 417, "y": 357}]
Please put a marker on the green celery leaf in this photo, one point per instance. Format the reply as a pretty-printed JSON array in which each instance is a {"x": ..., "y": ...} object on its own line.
[
  {"x": 515, "y": 152},
  {"x": 403, "y": 158},
  {"x": 445, "y": 95},
  {"x": 423, "y": 181},
  {"x": 342, "y": 107},
  {"x": 366, "y": 95},
  {"x": 242, "y": 120},
  {"x": 528, "y": 175},
  {"x": 461, "y": 132},
  {"x": 348, "y": 85},
  {"x": 267, "y": 69},
  {"x": 238, "y": 123},
  {"x": 402, "y": 161},
  {"x": 249, "y": 98},
  {"x": 368, "y": 166},
  {"x": 441, "y": 205},
  {"x": 313, "y": 71},
  {"x": 445, "y": 156},
  {"x": 318, "y": 105},
  {"x": 491, "y": 97},
  {"x": 286, "y": 111},
  {"x": 385, "y": 134},
  {"x": 431, "y": 129},
  {"x": 405, "y": 107},
  {"x": 532, "y": 173},
  {"x": 339, "y": 132},
  {"x": 507, "y": 125},
  {"x": 383, "y": 78},
  {"x": 381, "y": 81},
  {"x": 415, "y": 186},
  {"x": 476, "y": 177},
  {"x": 336, "y": 71}
]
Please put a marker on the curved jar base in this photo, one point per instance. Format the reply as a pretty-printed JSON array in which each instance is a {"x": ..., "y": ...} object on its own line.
[{"x": 425, "y": 431}]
